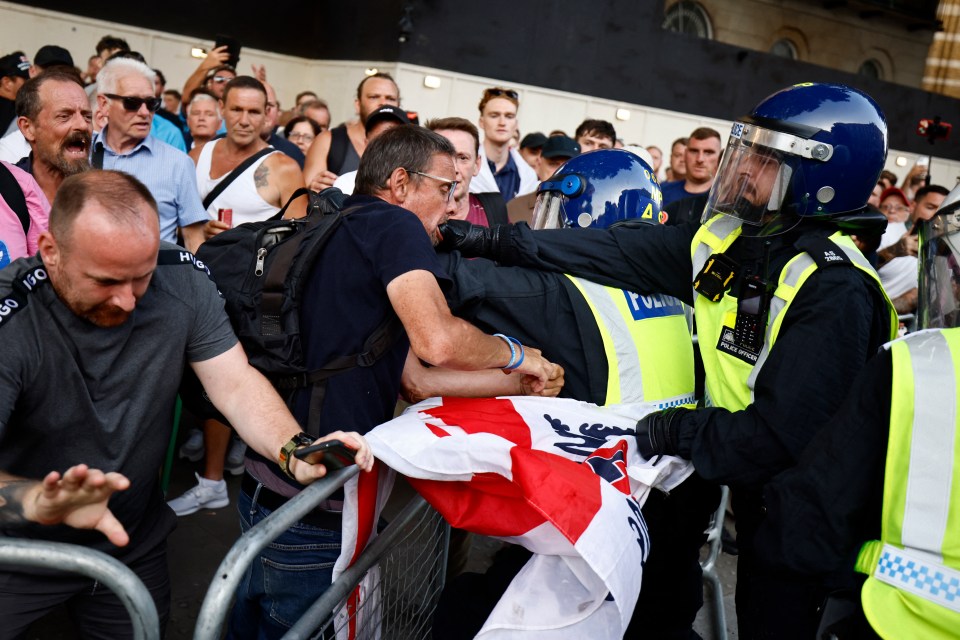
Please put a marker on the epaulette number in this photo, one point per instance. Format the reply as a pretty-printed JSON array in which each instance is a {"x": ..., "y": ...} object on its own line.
[{"x": 32, "y": 278}]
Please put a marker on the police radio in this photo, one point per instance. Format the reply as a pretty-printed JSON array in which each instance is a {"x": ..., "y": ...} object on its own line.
[{"x": 752, "y": 307}]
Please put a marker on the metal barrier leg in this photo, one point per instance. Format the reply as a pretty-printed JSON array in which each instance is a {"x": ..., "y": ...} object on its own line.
[
  {"x": 76, "y": 559},
  {"x": 709, "y": 566}
]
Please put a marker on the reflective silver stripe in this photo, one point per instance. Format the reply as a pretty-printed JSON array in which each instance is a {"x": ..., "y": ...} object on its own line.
[
  {"x": 932, "y": 443},
  {"x": 791, "y": 277},
  {"x": 628, "y": 360},
  {"x": 916, "y": 573},
  {"x": 721, "y": 228}
]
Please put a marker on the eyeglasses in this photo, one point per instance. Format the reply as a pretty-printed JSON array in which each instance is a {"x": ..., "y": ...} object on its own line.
[
  {"x": 510, "y": 93},
  {"x": 306, "y": 137},
  {"x": 894, "y": 208},
  {"x": 220, "y": 79},
  {"x": 133, "y": 103},
  {"x": 449, "y": 186}
]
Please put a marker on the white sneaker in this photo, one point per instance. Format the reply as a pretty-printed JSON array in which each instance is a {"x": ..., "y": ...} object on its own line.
[
  {"x": 193, "y": 448},
  {"x": 234, "y": 464},
  {"x": 208, "y": 494}
]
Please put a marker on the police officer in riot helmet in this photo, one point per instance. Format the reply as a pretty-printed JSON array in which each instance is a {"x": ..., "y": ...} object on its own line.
[{"x": 788, "y": 310}]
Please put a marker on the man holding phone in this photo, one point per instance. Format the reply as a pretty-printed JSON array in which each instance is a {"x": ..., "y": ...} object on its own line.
[{"x": 125, "y": 321}]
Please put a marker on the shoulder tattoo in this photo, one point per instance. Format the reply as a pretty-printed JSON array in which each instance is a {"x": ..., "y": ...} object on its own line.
[{"x": 260, "y": 176}]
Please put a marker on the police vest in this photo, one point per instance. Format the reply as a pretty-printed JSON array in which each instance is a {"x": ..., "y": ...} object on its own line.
[
  {"x": 914, "y": 586},
  {"x": 731, "y": 370},
  {"x": 647, "y": 343}
]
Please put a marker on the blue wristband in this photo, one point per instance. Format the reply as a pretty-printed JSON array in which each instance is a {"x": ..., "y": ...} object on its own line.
[
  {"x": 513, "y": 352},
  {"x": 513, "y": 365}
]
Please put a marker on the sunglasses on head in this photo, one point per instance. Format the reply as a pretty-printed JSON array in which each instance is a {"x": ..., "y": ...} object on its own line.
[
  {"x": 510, "y": 93},
  {"x": 133, "y": 103}
]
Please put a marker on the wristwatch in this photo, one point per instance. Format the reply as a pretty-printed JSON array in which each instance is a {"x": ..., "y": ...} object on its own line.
[{"x": 286, "y": 451}]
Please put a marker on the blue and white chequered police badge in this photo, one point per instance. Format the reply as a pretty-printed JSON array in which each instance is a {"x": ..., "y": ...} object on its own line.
[{"x": 909, "y": 571}]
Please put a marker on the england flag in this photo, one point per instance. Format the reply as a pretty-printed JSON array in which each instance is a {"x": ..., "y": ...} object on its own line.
[{"x": 561, "y": 477}]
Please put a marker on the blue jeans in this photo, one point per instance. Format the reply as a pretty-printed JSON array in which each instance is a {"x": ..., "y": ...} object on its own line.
[{"x": 288, "y": 576}]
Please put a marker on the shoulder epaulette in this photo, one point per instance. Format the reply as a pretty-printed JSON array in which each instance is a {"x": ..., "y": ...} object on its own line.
[
  {"x": 30, "y": 281},
  {"x": 824, "y": 251}
]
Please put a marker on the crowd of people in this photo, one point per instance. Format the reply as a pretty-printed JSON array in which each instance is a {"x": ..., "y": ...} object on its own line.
[{"x": 465, "y": 252}]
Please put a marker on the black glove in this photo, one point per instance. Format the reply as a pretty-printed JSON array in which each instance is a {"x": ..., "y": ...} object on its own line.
[
  {"x": 659, "y": 433},
  {"x": 471, "y": 240}
]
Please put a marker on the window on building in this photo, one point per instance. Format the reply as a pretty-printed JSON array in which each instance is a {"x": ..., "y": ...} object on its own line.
[
  {"x": 689, "y": 18},
  {"x": 872, "y": 69},
  {"x": 785, "y": 48}
]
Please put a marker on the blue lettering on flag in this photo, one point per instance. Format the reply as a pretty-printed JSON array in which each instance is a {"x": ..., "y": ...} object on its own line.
[
  {"x": 656, "y": 305},
  {"x": 4, "y": 255}
]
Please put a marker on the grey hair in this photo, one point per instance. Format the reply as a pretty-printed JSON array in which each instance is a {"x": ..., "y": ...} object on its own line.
[
  {"x": 408, "y": 146},
  {"x": 109, "y": 77},
  {"x": 200, "y": 95}
]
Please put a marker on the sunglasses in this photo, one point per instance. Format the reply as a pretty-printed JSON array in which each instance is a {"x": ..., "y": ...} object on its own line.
[
  {"x": 510, "y": 93},
  {"x": 133, "y": 103},
  {"x": 220, "y": 79}
]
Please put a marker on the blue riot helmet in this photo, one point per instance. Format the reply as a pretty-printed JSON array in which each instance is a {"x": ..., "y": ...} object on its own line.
[
  {"x": 600, "y": 189},
  {"x": 811, "y": 151},
  {"x": 938, "y": 286}
]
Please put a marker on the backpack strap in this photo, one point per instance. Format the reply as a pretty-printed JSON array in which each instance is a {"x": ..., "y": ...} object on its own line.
[
  {"x": 495, "y": 208},
  {"x": 233, "y": 175},
  {"x": 13, "y": 195},
  {"x": 338, "y": 148}
]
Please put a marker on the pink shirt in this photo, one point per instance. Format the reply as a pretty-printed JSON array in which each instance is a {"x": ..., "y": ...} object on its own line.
[
  {"x": 13, "y": 243},
  {"x": 476, "y": 214}
]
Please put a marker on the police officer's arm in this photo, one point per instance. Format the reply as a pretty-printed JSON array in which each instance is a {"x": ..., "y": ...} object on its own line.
[
  {"x": 252, "y": 406},
  {"x": 439, "y": 338},
  {"x": 644, "y": 259},
  {"x": 77, "y": 499},
  {"x": 828, "y": 334},
  {"x": 821, "y": 511},
  {"x": 419, "y": 382}
]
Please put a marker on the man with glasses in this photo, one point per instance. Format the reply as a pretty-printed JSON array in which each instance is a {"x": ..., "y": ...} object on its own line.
[
  {"x": 378, "y": 263},
  {"x": 126, "y": 96},
  {"x": 502, "y": 168}
]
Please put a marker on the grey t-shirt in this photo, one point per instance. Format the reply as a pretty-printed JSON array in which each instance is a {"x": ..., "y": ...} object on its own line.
[{"x": 72, "y": 392}]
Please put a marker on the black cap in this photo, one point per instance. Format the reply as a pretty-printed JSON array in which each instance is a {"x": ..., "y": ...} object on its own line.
[
  {"x": 50, "y": 55},
  {"x": 386, "y": 112},
  {"x": 15, "y": 64},
  {"x": 533, "y": 140},
  {"x": 560, "y": 147}
]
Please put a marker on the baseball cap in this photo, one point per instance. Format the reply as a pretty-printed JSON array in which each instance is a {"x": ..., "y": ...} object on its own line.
[
  {"x": 15, "y": 64},
  {"x": 894, "y": 191},
  {"x": 533, "y": 140},
  {"x": 386, "y": 112},
  {"x": 51, "y": 55},
  {"x": 560, "y": 147}
]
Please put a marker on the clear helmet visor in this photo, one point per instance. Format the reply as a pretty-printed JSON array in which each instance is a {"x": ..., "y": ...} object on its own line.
[
  {"x": 939, "y": 271},
  {"x": 751, "y": 183}
]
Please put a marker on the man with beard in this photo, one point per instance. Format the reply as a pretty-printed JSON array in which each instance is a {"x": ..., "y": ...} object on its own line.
[
  {"x": 338, "y": 150},
  {"x": 93, "y": 344},
  {"x": 55, "y": 118}
]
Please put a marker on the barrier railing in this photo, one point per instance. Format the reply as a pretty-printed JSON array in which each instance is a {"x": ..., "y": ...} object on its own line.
[
  {"x": 109, "y": 571},
  {"x": 401, "y": 572}
]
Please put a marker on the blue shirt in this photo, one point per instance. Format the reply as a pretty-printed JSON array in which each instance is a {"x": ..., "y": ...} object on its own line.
[
  {"x": 163, "y": 129},
  {"x": 675, "y": 190},
  {"x": 508, "y": 178},
  {"x": 168, "y": 173}
]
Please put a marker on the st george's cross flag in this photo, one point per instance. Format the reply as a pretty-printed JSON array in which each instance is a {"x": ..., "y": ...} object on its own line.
[{"x": 562, "y": 478}]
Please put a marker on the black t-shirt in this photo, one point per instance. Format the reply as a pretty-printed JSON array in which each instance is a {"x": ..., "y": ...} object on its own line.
[
  {"x": 8, "y": 112},
  {"x": 345, "y": 300}
]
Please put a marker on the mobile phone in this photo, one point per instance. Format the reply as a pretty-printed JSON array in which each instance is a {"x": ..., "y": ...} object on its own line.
[
  {"x": 336, "y": 455},
  {"x": 923, "y": 161},
  {"x": 233, "y": 48}
]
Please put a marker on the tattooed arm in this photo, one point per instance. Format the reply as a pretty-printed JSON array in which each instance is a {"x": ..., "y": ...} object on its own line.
[{"x": 77, "y": 499}]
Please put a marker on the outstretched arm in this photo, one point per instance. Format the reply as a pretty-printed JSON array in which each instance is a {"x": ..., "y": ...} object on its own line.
[{"x": 77, "y": 499}]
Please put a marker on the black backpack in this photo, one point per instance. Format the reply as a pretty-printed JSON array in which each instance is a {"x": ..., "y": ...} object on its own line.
[{"x": 260, "y": 269}]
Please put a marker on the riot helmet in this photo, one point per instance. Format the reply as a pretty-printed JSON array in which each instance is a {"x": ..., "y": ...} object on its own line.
[
  {"x": 810, "y": 151},
  {"x": 599, "y": 189},
  {"x": 939, "y": 276}
]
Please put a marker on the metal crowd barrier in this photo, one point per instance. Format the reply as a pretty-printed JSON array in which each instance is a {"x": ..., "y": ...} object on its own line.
[
  {"x": 109, "y": 571},
  {"x": 402, "y": 572}
]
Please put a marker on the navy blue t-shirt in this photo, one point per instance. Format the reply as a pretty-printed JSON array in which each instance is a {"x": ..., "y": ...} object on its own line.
[
  {"x": 674, "y": 190},
  {"x": 507, "y": 179},
  {"x": 346, "y": 300}
]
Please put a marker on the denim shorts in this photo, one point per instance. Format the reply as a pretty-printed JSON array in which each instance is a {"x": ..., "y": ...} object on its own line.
[{"x": 288, "y": 576}]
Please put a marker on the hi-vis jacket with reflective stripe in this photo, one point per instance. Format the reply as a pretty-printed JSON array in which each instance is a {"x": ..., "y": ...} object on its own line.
[
  {"x": 914, "y": 586},
  {"x": 731, "y": 379},
  {"x": 647, "y": 343}
]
